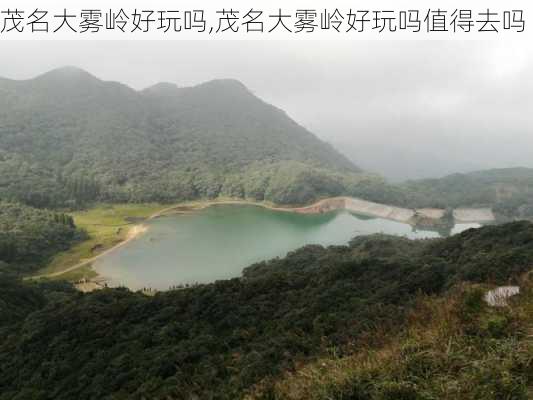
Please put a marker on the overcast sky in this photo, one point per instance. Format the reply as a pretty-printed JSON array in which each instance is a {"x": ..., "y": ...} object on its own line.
[{"x": 403, "y": 108}]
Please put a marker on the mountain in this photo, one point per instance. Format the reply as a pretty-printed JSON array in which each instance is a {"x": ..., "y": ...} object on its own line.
[
  {"x": 381, "y": 318},
  {"x": 67, "y": 137}
]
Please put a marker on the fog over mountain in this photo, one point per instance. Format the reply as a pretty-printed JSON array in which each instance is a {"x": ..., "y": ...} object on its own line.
[
  {"x": 404, "y": 109},
  {"x": 68, "y": 136},
  {"x": 202, "y": 220}
]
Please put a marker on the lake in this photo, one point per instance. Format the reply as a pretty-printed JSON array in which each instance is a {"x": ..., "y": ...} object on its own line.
[{"x": 219, "y": 241}]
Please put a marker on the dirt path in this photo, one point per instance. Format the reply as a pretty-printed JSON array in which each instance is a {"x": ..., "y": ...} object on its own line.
[{"x": 132, "y": 234}]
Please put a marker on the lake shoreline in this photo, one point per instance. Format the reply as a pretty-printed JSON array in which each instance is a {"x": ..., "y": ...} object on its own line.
[
  {"x": 351, "y": 204},
  {"x": 431, "y": 217}
]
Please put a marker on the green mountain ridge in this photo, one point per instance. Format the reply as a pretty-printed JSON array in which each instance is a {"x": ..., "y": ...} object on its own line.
[{"x": 68, "y": 138}]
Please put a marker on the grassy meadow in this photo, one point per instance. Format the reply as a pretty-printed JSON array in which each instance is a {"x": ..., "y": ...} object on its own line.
[{"x": 106, "y": 225}]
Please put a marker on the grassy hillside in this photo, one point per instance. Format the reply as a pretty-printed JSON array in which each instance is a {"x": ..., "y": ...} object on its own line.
[
  {"x": 454, "y": 347},
  {"x": 241, "y": 337},
  {"x": 68, "y": 139},
  {"x": 106, "y": 226}
]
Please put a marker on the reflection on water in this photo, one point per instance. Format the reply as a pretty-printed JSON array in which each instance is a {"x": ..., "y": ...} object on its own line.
[{"x": 218, "y": 242}]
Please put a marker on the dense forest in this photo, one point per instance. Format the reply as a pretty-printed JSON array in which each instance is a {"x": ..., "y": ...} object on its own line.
[
  {"x": 29, "y": 236},
  {"x": 68, "y": 139},
  {"x": 234, "y": 338},
  {"x": 455, "y": 346}
]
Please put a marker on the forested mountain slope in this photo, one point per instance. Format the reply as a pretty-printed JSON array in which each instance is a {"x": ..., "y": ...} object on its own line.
[
  {"x": 236, "y": 337},
  {"x": 67, "y": 138},
  {"x": 508, "y": 191},
  {"x": 29, "y": 236}
]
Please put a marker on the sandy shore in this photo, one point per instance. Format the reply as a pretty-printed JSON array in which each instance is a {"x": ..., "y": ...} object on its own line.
[
  {"x": 88, "y": 285},
  {"x": 134, "y": 232},
  {"x": 367, "y": 208},
  {"x": 351, "y": 204}
]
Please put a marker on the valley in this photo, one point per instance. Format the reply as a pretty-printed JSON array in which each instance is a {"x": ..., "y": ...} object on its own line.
[
  {"x": 196, "y": 242},
  {"x": 110, "y": 227}
]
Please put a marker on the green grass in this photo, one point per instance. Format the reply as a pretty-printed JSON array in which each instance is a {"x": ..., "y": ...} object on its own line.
[
  {"x": 106, "y": 225},
  {"x": 456, "y": 347}
]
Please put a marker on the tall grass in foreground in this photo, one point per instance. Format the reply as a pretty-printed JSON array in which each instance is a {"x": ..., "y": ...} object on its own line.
[{"x": 455, "y": 347}]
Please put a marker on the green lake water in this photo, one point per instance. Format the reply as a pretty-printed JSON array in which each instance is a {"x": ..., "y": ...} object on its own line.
[{"x": 219, "y": 241}]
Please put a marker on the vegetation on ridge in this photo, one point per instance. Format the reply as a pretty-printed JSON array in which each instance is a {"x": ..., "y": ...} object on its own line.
[
  {"x": 453, "y": 347},
  {"x": 222, "y": 340},
  {"x": 68, "y": 139}
]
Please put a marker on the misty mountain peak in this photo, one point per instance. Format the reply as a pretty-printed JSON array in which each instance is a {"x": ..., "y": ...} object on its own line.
[
  {"x": 223, "y": 85},
  {"x": 68, "y": 73},
  {"x": 162, "y": 88},
  {"x": 213, "y": 89}
]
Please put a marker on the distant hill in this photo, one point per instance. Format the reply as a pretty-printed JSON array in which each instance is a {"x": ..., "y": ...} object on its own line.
[
  {"x": 67, "y": 137},
  {"x": 508, "y": 191}
]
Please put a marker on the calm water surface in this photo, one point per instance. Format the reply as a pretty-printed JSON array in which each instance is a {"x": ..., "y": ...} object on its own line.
[{"x": 219, "y": 241}]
